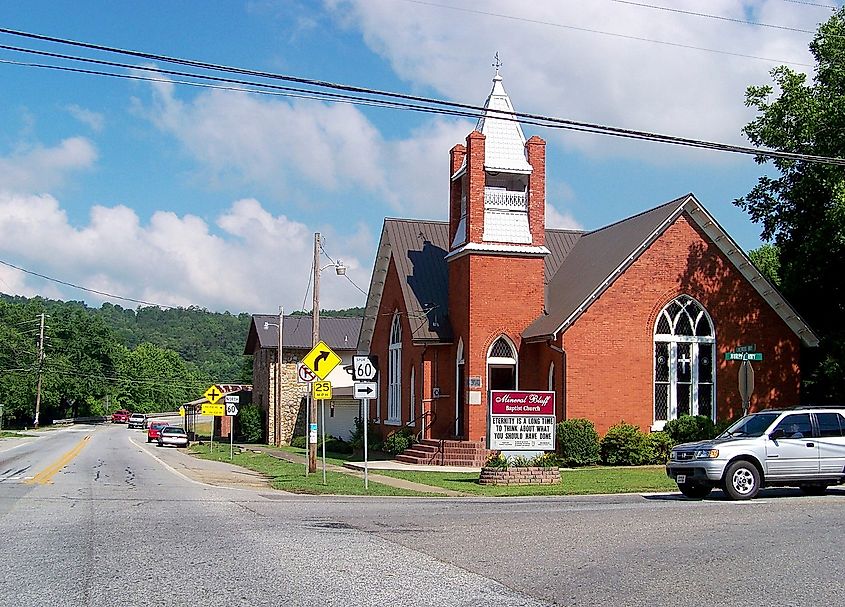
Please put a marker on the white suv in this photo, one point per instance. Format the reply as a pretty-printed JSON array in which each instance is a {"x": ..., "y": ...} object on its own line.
[
  {"x": 803, "y": 446},
  {"x": 137, "y": 420}
]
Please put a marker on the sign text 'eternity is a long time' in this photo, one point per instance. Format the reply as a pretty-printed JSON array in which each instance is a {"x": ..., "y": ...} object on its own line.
[{"x": 522, "y": 421}]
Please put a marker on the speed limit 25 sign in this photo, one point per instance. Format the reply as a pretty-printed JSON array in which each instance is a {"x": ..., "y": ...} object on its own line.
[{"x": 365, "y": 368}]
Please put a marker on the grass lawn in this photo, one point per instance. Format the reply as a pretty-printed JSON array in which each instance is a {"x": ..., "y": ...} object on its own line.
[
  {"x": 582, "y": 481},
  {"x": 10, "y": 434},
  {"x": 288, "y": 476},
  {"x": 337, "y": 458}
]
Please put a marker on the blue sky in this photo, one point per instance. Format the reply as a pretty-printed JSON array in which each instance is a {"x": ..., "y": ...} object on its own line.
[{"x": 184, "y": 196}]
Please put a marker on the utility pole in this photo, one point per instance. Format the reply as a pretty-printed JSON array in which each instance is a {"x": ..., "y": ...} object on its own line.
[
  {"x": 315, "y": 339},
  {"x": 278, "y": 415},
  {"x": 40, "y": 366}
]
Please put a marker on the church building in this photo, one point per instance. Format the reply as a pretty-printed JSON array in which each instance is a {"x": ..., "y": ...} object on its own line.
[{"x": 629, "y": 322}]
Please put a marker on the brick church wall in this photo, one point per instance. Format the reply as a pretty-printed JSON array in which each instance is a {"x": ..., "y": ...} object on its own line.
[{"x": 609, "y": 349}]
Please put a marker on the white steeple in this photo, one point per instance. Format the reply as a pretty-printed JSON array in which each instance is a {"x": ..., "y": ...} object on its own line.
[{"x": 505, "y": 143}]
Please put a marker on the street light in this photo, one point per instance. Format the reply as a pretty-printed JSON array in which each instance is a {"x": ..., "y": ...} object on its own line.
[
  {"x": 277, "y": 410},
  {"x": 340, "y": 270}
]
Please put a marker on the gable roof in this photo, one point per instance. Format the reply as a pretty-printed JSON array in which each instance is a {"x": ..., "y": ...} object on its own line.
[
  {"x": 340, "y": 333},
  {"x": 601, "y": 256},
  {"x": 419, "y": 249}
]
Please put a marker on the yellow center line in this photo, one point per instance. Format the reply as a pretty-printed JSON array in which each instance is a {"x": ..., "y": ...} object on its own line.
[{"x": 45, "y": 476}]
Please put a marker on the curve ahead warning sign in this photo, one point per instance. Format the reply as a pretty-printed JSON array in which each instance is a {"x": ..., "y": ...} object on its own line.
[{"x": 522, "y": 421}]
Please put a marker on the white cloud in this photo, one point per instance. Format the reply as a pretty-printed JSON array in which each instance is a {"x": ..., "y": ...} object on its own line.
[
  {"x": 250, "y": 260},
  {"x": 94, "y": 120},
  {"x": 302, "y": 147},
  {"x": 39, "y": 168},
  {"x": 553, "y": 65},
  {"x": 561, "y": 221}
]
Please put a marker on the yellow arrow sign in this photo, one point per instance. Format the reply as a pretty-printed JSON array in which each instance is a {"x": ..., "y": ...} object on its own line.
[
  {"x": 322, "y": 390},
  {"x": 321, "y": 360},
  {"x": 213, "y": 395}
]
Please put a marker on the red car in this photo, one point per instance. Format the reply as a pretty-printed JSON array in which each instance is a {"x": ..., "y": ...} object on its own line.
[
  {"x": 154, "y": 431},
  {"x": 121, "y": 416}
]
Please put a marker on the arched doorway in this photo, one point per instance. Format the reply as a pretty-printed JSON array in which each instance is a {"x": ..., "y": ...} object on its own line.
[
  {"x": 684, "y": 369},
  {"x": 501, "y": 365}
]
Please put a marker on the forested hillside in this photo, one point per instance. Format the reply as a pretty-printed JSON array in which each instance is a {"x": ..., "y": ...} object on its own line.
[{"x": 100, "y": 359}]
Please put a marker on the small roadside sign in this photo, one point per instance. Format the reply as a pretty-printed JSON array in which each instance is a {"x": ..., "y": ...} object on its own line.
[
  {"x": 232, "y": 398},
  {"x": 322, "y": 390},
  {"x": 182, "y": 411},
  {"x": 213, "y": 409},
  {"x": 364, "y": 367},
  {"x": 231, "y": 409},
  {"x": 321, "y": 360},
  {"x": 364, "y": 389},
  {"x": 746, "y": 348},
  {"x": 743, "y": 356},
  {"x": 304, "y": 375},
  {"x": 213, "y": 395}
]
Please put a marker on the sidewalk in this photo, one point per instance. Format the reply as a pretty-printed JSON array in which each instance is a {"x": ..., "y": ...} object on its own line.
[
  {"x": 209, "y": 472},
  {"x": 356, "y": 469}
]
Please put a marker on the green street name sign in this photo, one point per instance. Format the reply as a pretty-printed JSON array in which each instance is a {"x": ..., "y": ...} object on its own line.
[{"x": 743, "y": 356}]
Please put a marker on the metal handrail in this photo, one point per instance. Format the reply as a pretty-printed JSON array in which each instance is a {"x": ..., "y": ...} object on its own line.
[{"x": 418, "y": 436}]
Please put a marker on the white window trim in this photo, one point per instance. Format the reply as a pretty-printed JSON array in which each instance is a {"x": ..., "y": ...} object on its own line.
[
  {"x": 673, "y": 340},
  {"x": 413, "y": 401},
  {"x": 394, "y": 386},
  {"x": 502, "y": 361}
]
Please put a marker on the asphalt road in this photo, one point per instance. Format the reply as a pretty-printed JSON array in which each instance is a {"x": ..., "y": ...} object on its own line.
[{"x": 117, "y": 525}]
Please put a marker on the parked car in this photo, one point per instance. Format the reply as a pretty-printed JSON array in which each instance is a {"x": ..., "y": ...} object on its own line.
[
  {"x": 137, "y": 420},
  {"x": 121, "y": 416},
  {"x": 172, "y": 435},
  {"x": 154, "y": 430},
  {"x": 802, "y": 446}
]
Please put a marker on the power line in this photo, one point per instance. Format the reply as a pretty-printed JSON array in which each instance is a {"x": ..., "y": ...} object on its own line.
[
  {"x": 605, "y": 33},
  {"x": 716, "y": 17},
  {"x": 434, "y": 105},
  {"x": 81, "y": 288},
  {"x": 805, "y": 2},
  {"x": 345, "y": 275}
]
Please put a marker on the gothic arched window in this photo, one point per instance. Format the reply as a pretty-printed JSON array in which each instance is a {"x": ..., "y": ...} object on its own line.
[{"x": 684, "y": 369}]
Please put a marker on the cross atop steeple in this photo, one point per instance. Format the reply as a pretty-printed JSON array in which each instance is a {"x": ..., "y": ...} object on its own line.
[{"x": 497, "y": 64}]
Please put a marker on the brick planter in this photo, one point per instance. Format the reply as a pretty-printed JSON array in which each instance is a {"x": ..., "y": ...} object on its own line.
[{"x": 519, "y": 476}]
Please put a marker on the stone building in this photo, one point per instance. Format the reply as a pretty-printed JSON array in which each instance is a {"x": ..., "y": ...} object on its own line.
[{"x": 285, "y": 417}]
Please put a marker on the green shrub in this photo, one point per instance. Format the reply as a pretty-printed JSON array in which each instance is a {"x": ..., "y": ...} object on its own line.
[
  {"x": 398, "y": 441},
  {"x": 546, "y": 460},
  {"x": 496, "y": 460},
  {"x": 300, "y": 442},
  {"x": 625, "y": 445},
  {"x": 690, "y": 428},
  {"x": 519, "y": 461},
  {"x": 724, "y": 424},
  {"x": 374, "y": 442},
  {"x": 249, "y": 424},
  {"x": 577, "y": 442},
  {"x": 660, "y": 445},
  {"x": 337, "y": 445}
]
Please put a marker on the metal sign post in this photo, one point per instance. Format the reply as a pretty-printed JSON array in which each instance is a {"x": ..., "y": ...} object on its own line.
[
  {"x": 307, "y": 428},
  {"x": 365, "y": 406},
  {"x": 746, "y": 384},
  {"x": 323, "y": 413},
  {"x": 231, "y": 437}
]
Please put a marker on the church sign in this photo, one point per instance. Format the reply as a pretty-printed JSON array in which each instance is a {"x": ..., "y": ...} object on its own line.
[{"x": 522, "y": 421}]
